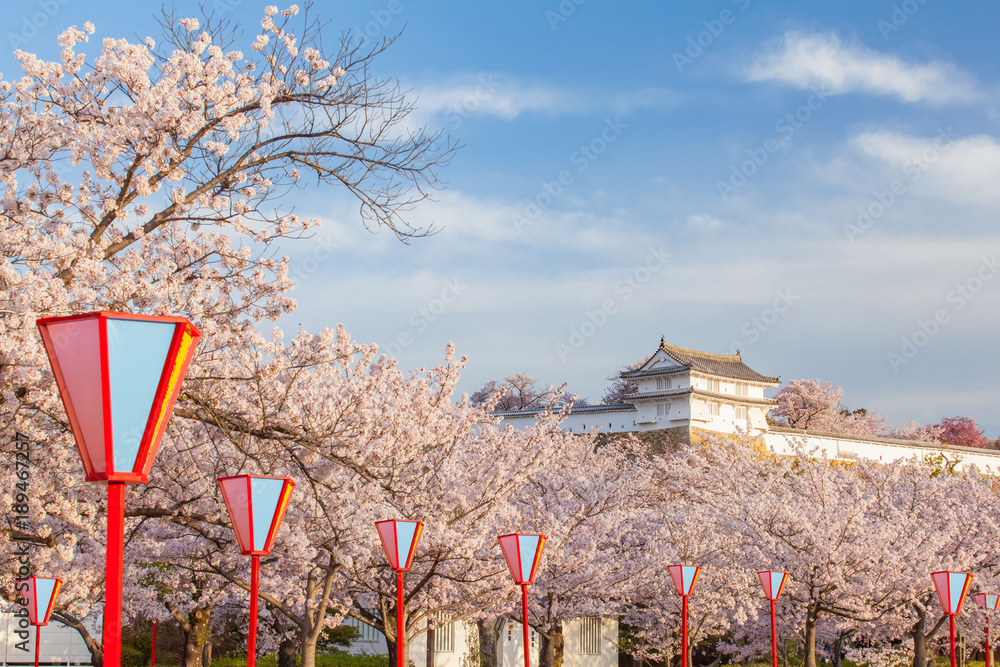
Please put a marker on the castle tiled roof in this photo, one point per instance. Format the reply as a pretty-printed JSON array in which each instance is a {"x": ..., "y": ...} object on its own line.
[
  {"x": 684, "y": 391},
  {"x": 724, "y": 365}
]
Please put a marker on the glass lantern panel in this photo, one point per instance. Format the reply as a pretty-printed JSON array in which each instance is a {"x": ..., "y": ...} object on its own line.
[
  {"x": 528, "y": 546},
  {"x": 266, "y": 493},
  {"x": 77, "y": 348},
  {"x": 137, "y": 353},
  {"x": 405, "y": 533}
]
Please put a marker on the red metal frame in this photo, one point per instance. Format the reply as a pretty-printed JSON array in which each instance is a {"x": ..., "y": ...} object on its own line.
[
  {"x": 988, "y": 603},
  {"x": 944, "y": 596},
  {"x": 163, "y": 401},
  {"x": 677, "y": 575},
  {"x": 246, "y": 542},
  {"x": 246, "y": 548},
  {"x": 514, "y": 560},
  {"x": 767, "y": 582},
  {"x": 33, "y": 618},
  {"x": 515, "y": 565},
  {"x": 392, "y": 555},
  {"x": 167, "y": 389}
]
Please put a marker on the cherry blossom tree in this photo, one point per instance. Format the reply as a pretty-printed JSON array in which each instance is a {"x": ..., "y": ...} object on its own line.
[
  {"x": 519, "y": 391},
  {"x": 149, "y": 178},
  {"x": 586, "y": 502},
  {"x": 962, "y": 432},
  {"x": 816, "y": 406}
]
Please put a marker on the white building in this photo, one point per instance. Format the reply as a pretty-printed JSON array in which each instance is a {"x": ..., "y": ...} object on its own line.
[
  {"x": 682, "y": 393},
  {"x": 61, "y": 645},
  {"x": 588, "y": 642}
]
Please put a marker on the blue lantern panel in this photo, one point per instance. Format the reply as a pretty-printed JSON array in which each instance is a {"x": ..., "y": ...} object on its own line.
[
  {"x": 528, "y": 546},
  {"x": 265, "y": 494},
  {"x": 405, "y": 532},
  {"x": 137, "y": 354}
]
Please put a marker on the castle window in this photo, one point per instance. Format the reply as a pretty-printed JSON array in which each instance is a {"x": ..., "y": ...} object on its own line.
[
  {"x": 713, "y": 408},
  {"x": 590, "y": 636},
  {"x": 444, "y": 637},
  {"x": 742, "y": 390},
  {"x": 713, "y": 385},
  {"x": 368, "y": 632},
  {"x": 663, "y": 383},
  {"x": 741, "y": 412},
  {"x": 662, "y": 409}
]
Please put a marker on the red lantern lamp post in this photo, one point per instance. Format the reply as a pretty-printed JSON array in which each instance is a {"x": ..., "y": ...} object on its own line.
[
  {"x": 118, "y": 375},
  {"x": 684, "y": 577},
  {"x": 773, "y": 583},
  {"x": 256, "y": 505},
  {"x": 41, "y": 596},
  {"x": 988, "y": 602},
  {"x": 951, "y": 589},
  {"x": 522, "y": 551},
  {"x": 399, "y": 540}
]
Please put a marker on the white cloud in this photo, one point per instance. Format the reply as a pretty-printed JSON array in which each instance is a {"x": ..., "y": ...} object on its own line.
[
  {"x": 495, "y": 95},
  {"x": 962, "y": 170},
  {"x": 824, "y": 61},
  {"x": 702, "y": 221}
]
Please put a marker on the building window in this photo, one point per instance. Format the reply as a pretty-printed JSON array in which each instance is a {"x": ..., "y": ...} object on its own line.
[
  {"x": 444, "y": 637},
  {"x": 741, "y": 412},
  {"x": 368, "y": 632},
  {"x": 590, "y": 636},
  {"x": 663, "y": 383},
  {"x": 742, "y": 390},
  {"x": 713, "y": 385},
  {"x": 662, "y": 409},
  {"x": 713, "y": 408}
]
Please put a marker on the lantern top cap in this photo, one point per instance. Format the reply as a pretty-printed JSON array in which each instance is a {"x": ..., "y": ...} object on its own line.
[{"x": 112, "y": 315}]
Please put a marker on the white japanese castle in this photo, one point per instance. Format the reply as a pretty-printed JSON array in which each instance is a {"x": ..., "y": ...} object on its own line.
[{"x": 681, "y": 394}]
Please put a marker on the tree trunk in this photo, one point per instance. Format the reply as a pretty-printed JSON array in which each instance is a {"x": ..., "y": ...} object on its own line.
[
  {"x": 195, "y": 636},
  {"x": 809, "y": 648},
  {"x": 206, "y": 654},
  {"x": 919, "y": 639},
  {"x": 308, "y": 646},
  {"x": 489, "y": 637},
  {"x": 286, "y": 653},
  {"x": 431, "y": 636},
  {"x": 837, "y": 645},
  {"x": 95, "y": 647},
  {"x": 548, "y": 657},
  {"x": 552, "y": 646},
  {"x": 393, "y": 647}
]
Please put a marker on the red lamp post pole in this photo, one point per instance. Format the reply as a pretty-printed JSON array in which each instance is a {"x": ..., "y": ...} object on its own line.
[
  {"x": 252, "y": 638},
  {"x": 38, "y": 642},
  {"x": 524, "y": 625},
  {"x": 684, "y": 631},
  {"x": 113, "y": 580},
  {"x": 774, "y": 638},
  {"x": 400, "y": 620},
  {"x": 152, "y": 660},
  {"x": 954, "y": 654},
  {"x": 989, "y": 649}
]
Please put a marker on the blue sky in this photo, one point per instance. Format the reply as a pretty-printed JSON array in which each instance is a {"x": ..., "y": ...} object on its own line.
[{"x": 813, "y": 183}]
